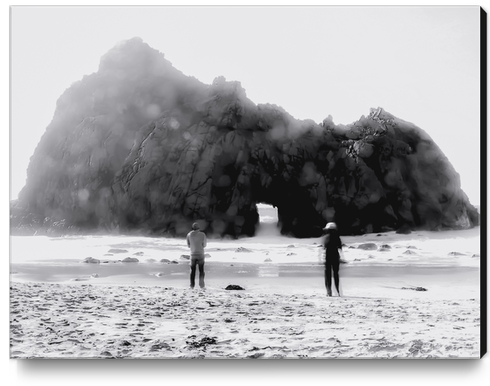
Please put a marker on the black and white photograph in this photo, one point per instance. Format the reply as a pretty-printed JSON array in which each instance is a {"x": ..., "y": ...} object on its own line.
[{"x": 246, "y": 182}]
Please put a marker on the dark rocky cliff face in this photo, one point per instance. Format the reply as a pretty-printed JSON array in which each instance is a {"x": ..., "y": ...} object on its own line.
[{"x": 140, "y": 146}]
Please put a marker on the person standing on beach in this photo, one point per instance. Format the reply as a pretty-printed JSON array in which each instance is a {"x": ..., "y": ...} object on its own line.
[
  {"x": 332, "y": 244},
  {"x": 196, "y": 241}
]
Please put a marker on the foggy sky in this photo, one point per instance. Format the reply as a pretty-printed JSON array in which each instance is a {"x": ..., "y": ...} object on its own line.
[{"x": 419, "y": 63}]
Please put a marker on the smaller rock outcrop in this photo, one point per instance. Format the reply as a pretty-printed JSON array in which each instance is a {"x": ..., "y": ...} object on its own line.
[
  {"x": 130, "y": 260},
  {"x": 234, "y": 287},
  {"x": 91, "y": 260}
]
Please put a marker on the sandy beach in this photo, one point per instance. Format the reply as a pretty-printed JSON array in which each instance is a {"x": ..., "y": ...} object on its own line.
[{"x": 422, "y": 304}]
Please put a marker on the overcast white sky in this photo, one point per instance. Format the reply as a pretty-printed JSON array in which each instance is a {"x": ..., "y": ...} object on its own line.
[{"x": 421, "y": 64}]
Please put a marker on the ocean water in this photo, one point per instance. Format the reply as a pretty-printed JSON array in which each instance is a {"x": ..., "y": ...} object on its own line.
[{"x": 450, "y": 248}]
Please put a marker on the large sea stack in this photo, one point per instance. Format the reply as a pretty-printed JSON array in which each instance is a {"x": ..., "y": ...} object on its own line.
[{"x": 139, "y": 146}]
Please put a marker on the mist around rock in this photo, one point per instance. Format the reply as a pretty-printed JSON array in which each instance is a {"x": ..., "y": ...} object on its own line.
[{"x": 140, "y": 147}]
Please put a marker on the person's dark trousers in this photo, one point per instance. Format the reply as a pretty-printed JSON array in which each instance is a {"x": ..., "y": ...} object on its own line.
[
  {"x": 332, "y": 265},
  {"x": 197, "y": 260}
]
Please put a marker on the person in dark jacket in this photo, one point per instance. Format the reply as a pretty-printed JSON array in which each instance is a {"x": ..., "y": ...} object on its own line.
[{"x": 332, "y": 244}]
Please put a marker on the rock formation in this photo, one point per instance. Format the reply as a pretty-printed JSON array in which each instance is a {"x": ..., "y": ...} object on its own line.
[{"x": 140, "y": 146}]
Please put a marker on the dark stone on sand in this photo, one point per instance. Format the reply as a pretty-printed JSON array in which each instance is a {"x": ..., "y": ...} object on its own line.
[
  {"x": 202, "y": 343},
  {"x": 138, "y": 254},
  {"x": 91, "y": 260},
  {"x": 421, "y": 289},
  {"x": 139, "y": 146},
  {"x": 164, "y": 261},
  {"x": 409, "y": 252},
  {"x": 234, "y": 287},
  {"x": 174, "y": 262},
  {"x": 268, "y": 260},
  {"x": 159, "y": 346},
  {"x": 368, "y": 246},
  {"x": 130, "y": 260},
  {"x": 185, "y": 257},
  {"x": 385, "y": 248}
]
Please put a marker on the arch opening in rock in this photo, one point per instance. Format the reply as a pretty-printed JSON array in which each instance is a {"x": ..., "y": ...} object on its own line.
[{"x": 268, "y": 221}]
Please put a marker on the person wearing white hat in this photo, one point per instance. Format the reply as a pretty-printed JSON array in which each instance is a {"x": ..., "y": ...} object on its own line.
[
  {"x": 332, "y": 244},
  {"x": 196, "y": 241}
]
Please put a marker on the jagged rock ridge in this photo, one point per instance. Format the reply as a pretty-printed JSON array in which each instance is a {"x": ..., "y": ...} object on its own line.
[{"x": 140, "y": 146}]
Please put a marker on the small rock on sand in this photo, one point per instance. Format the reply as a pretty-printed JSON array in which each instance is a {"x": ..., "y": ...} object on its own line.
[
  {"x": 130, "y": 260},
  {"x": 91, "y": 260},
  {"x": 234, "y": 287},
  {"x": 456, "y": 254},
  {"x": 185, "y": 257},
  {"x": 165, "y": 261},
  {"x": 368, "y": 246},
  {"x": 415, "y": 288}
]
